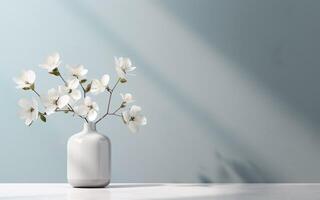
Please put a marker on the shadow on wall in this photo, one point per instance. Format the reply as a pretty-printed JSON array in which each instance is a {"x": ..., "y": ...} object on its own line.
[
  {"x": 230, "y": 169},
  {"x": 182, "y": 101},
  {"x": 274, "y": 41}
]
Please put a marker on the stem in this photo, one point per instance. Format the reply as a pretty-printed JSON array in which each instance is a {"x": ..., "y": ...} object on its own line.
[
  {"x": 84, "y": 90},
  {"x": 65, "y": 82},
  {"x": 121, "y": 106},
  {"x": 72, "y": 110},
  {"x": 38, "y": 96},
  {"x": 115, "y": 114},
  {"x": 60, "y": 110},
  {"x": 109, "y": 102},
  {"x": 36, "y": 92},
  {"x": 115, "y": 85}
]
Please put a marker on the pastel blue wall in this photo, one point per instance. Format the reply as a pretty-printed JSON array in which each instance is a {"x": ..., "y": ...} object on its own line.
[{"x": 230, "y": 88}]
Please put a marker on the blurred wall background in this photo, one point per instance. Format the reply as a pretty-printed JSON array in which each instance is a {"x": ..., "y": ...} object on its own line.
[{"x": 230, "y": 88}]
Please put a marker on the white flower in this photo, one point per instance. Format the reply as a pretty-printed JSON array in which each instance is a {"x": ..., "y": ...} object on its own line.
[
  {"x": 26, "y": 79},
  {"x": 78, "y": 71},
  {"x": 88, "y": 109},
  {"x": 133, "y": 118},
  {"x": 29, "y": 112},
  {"x": 54, "y": 100},
  {"x": 52, "y": 62},
  {"x": 99, "y": 86},
  {"x": 126, "y": 98},
  {"x": 71, "y": 89},
  {"x": 123, "y": 66}
]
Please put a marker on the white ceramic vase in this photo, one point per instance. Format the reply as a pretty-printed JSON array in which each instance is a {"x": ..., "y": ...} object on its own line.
[{"x": 89, "y": 158}]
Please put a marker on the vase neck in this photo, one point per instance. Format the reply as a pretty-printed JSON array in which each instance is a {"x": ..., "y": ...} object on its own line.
[{"x": 89, "y": 127}]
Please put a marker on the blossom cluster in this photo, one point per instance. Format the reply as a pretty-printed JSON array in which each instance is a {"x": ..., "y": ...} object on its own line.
[{"x": 75, "y": 94}]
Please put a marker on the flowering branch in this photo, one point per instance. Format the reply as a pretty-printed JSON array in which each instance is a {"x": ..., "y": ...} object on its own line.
[
  {"x": 64, "y": 98},
  {"x": 69, "y": 106}
]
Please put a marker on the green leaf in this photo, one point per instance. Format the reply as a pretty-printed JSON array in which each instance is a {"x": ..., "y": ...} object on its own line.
[
  {"x": 32, "y": 87},
  {"x": 88, "y": 87},
  {"x": 83, "y": 80},
  {"x": 123, "y": 119},
  {"x": 122, "y": 80},
  {"x": 55, "y": 72},
  {"x": 42, "y": 117},
  {"x": 26, "y": 88}
]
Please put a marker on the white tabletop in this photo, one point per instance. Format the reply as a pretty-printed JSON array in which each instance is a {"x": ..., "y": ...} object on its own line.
[{"x": 162, "y": 191}]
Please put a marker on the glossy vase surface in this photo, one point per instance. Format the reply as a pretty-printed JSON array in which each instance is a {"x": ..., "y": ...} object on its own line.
[{"x": 89, "y": 158}]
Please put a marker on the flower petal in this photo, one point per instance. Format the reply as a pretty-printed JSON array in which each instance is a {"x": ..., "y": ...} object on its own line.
[
  {"x": 28, "y": 121},
  {"x": 73, "y": 84},
  {"x": 24, "y": 103},
  {"x": 120, "y": 72},
  {"x": 34, "y": 115},
  {"x": 87, "y": 101},
  {"x": 105, "y": 80},
  {"x": 131, "y": 69},
  {"x": 82, "y": 110},
  {"x": 62, "y": 90},
  {"x": 34, "y": 104},
  {"x": 133, "y": 127},
  {"x": 125, "y": 116},
  {"x": 134, "y": 110},
  {"x": 75, "y": 94},
  {"x": 92, "y": 115},
  {"x": 30, "y": 76},
  {"x": 50, "y": 109},
  {"x": 23, "y": 114},
  {"x": 127, "y": 98},
  {"x": 95, "y": 106},
  {"x": 63, "y": 101},
  {"x": 141, "y": 120},
  {"x": 19, "y": 82},
  {"x": 53, "y": 93},
  {"x": 55, "y": 57},
  {"x": 96, "y": 87}
]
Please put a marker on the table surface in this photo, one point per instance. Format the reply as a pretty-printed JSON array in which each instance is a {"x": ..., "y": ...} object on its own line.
[{"x": 163, "y": 191}]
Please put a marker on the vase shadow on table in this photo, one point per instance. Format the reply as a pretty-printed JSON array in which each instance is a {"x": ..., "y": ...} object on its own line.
[
  {"x": 134, "y": 186},
  {"x": 34, "y": 197}
]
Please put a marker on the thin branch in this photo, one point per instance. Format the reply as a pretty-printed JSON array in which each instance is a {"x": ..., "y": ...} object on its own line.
[
  {"x": 117, "y": 109},
  {"x": 121, "y": 106},
  {"x": 36, "y": 92},
  {"x": 84, "y": 90},
  {"x": 115, "y": 85},
  {"x": 115, "y": 114},
  {"x": 109, "y": 102},
  {"x": 61, "y": 110},
  {"x": 72, "y": 110},
  {"x": 65, "y": 82}
]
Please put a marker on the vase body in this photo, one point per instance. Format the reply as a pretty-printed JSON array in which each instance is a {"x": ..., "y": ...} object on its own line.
[{"x": 89, "y": 158}]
